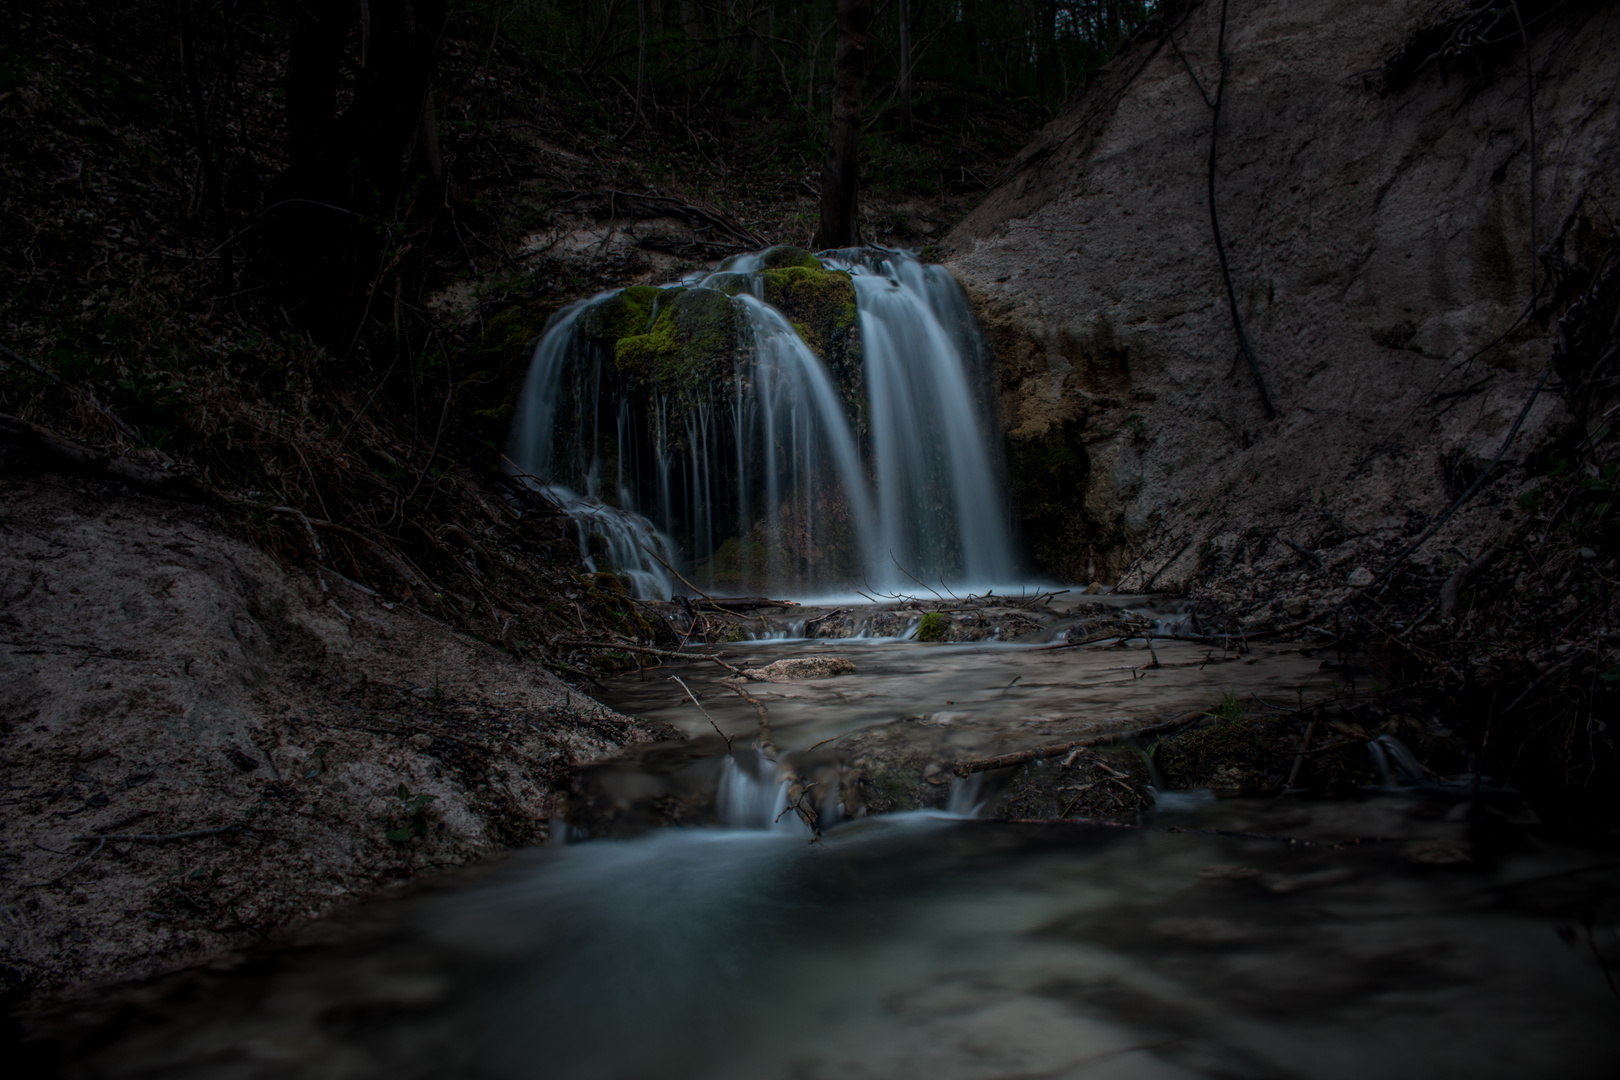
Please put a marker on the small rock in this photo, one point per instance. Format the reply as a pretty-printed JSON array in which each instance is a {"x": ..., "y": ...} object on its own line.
[
  {"x": 1287, "y": 883},
  {"x": 1588, "y": 553},
  {"x": 240, "y": 760},
  {"x": 1432, "y": 854},
  {"x": 423, "y": 692},
  {"x": 1359, "y": 578},
  {"x": 1296, "y": 605},
  {"x": 803, "y": 667},
  {"x": 421, "y": 741}
]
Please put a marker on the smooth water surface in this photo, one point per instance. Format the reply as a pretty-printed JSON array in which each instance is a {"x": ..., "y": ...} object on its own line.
[{"x": 919, "y": 945}]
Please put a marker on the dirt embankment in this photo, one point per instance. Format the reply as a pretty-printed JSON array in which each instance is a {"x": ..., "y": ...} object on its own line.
[
  {"x": 201, "y": 748},
  {"x": 1377, "y": 188}
]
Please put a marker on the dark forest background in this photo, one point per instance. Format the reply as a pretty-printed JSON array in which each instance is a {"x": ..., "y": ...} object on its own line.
[
  {"x": 206, "y": 196},
  {"x": 295, "y": 255}
]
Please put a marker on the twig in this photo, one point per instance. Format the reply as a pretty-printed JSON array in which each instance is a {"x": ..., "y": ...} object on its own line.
[
  {"x": 705, "y": 712},
  {"x": 739, "y": 672},
  {"x": 1299, "y": 758},
  {"x": 1215, "y": 223},
  {"x": 1303, "y": 550},
  {"x": 913, "y": 577},
  {"x": 677, "y": 574},
  {"x": 163, "y": 838},
  {"x": 765, "y": 739},
  {"x": 101, "y": 842},
  {"x": 309, "y": 530},
  {"x": 1479, "y": 481},
  {"x": 86, "y": 394},
  {"x": 173, "y": 485},
  {"x": 824, "y": 742}
]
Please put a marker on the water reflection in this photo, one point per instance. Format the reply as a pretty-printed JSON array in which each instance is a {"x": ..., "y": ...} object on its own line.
[{"x": 925, "y": 945}]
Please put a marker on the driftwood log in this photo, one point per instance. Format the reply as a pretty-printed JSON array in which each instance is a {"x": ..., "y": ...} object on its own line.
[{"x": 75, "y": 455}]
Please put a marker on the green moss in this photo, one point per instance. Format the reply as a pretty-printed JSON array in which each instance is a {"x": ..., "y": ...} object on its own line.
[
  {"x": 691, "y": 341},
  {"x": 621, "y": 315},
  {"x": 786, "y": 255},
  {"x": 610, "y": 583},
  {"x": 933, "y": 627},
  {"x": 819, "y": 303},
  {"x": 729, "y": 283},
  {"x": 1229, "y": 709}
]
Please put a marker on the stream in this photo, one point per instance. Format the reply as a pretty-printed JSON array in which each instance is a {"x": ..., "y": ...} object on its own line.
[
  {"x": 1233, "y": 937},
  {"x": 825, "y": 877}
]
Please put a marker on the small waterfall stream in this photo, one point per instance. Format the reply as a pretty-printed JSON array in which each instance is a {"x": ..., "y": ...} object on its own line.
[{"x": 771, "y": 465}]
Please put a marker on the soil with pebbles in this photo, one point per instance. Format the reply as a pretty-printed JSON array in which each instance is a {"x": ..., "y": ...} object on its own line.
[{"x": 160, "y": 676}]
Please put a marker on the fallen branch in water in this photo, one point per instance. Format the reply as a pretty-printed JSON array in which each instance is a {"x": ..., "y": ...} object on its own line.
[
  {"x": 746, "y": 603},
  {"x": 704, "y": 711},
  {"x": 1023, "y": 757},
  {"x": 819, "y": 619},
  {"x": 765, "y": 739},
  {"x": 737, "y": 671},
  {"x": 677, "y": 573}
]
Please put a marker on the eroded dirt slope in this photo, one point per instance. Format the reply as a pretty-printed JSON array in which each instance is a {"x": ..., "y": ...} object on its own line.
[
  {"x": 159, "y": 676},
  {"x": 1378, "y": 221}
]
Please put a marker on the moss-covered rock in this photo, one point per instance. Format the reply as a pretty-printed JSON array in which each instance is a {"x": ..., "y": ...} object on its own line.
[
  {"x": 934, "y": 626},
  {"x": 625, "y": 313},
  {"x": 819, "y": 303},
  {"x": 691, "y": 342},
  {"x": 729, "y": 283},
  {"x": 785, "y": 255}
]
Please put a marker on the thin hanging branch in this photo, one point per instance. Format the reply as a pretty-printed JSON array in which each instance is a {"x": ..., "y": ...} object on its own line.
[{"x": 1215, "y": 224}]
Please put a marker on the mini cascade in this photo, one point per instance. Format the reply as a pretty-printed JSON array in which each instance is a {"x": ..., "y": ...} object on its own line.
[
  {"x": 756, "y": 800},
  {"x": 766, "y": 464}
]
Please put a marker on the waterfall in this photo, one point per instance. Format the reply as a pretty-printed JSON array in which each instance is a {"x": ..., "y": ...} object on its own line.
[
  {"x": 610, "y": 537},
  {"x": 755, "y": 800},
  {"x": 939, "y": 509},
  {"x": 775, "y": 466}
]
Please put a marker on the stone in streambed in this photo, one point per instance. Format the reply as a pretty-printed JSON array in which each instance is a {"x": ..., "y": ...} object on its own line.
[{"x": 802, "y": 667}]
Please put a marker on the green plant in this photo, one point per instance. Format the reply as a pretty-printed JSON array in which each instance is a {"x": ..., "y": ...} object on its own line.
[
  {"x": 932, "y": 627},
  {"x": 1229, "y": 709},
  {"x": 415, "y": 807}
]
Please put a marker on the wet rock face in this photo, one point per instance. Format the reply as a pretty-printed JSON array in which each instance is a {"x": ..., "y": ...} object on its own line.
[
  {"x": 681, "y": 341},
  {"x": 1380, "y": 251}
]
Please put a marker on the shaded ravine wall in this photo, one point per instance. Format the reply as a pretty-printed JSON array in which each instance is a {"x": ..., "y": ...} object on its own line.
[{"x": 1378, "y": 226}]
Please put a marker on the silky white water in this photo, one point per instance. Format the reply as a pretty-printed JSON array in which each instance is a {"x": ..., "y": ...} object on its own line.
[{"x": 788, "y": 477}]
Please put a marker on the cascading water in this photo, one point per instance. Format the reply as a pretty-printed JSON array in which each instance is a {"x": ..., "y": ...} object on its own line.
[
  {"x": 610, "y": 537},
  {"x": 938, "y": 507},
  {"x": 757, "y": 800},
  {"x": 696, "y": 423}
]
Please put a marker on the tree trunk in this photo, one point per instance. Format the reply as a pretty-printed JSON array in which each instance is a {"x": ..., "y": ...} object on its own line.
[
  {"x": 641, "y": 58},
  {"x": 312, "y": 80},
  {"x": 341, "y": 195},
  {"x": 906, "y": 131},
  {"x": 1046, "y": 48},
  {"x": 762, "y": 24},
  {"x": 840, "y": 218}
]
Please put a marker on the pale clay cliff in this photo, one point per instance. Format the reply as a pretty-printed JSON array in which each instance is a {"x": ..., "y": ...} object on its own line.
[{"x": 1380, "y": 248}]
